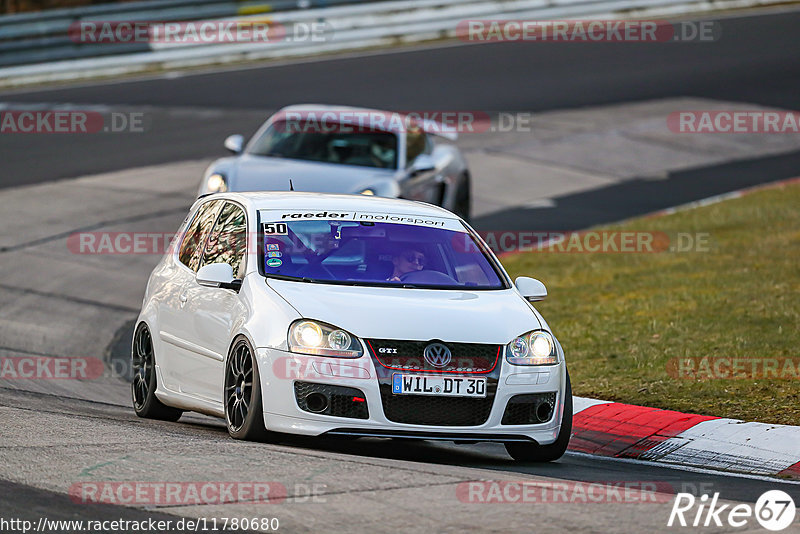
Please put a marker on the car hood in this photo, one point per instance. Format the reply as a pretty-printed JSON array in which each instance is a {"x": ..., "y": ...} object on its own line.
[
  {"x": 494, "y": 317},
  {"x": 257, "y": 173}
]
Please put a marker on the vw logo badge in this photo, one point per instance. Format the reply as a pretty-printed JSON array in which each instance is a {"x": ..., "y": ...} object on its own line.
[{"x": 437, "y": 355}]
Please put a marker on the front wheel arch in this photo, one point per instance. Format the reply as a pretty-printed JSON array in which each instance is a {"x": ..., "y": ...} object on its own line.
[{"x": 532, "y": 452}]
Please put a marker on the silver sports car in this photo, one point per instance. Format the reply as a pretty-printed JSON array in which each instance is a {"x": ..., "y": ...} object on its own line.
[{"x": 334, "y": 149}]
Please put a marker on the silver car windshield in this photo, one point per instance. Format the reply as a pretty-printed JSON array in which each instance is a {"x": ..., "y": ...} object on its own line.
[
  {"x": 376, "y": 254},
  {"x": 348, "y": 145}
]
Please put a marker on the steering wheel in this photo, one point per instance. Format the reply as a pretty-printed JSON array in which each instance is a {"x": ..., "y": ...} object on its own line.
[{"x": 427, "y": 277}]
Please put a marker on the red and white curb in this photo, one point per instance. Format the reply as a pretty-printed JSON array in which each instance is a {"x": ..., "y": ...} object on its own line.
[
  {"x": 627, "y": 431},
  {"x": 618, "y": 430}
]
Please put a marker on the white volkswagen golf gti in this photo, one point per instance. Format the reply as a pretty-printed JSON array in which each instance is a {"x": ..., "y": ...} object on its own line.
[{"x": 345, "y": 315}]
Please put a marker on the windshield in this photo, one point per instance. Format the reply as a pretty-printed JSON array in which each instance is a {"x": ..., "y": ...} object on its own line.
[
  {"x": 375, "y": 253},
  {"x": 347, "y": 145}
]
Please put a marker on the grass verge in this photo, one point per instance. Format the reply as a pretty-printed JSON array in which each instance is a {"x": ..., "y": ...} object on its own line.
[{"x": 630, "y": 322}]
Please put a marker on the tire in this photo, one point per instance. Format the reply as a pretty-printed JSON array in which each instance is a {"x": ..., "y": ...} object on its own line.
[
  {"x": 143, "y": 385},
  {"x": 244, "y": 414},
  {"x": 531, "y": 452},
  {"x": 463, "y": 200}
]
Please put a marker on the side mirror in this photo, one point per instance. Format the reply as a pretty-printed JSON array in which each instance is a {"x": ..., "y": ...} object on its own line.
[
  {"x": 234, "y": 143},
  {"x": 423, "y": 163},
  {"x": 531, "y": 288},
  {"x": 217, "y": 275}
]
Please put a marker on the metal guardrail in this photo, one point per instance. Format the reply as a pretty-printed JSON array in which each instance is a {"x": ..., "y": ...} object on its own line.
[{"x": 27, "y": 38}]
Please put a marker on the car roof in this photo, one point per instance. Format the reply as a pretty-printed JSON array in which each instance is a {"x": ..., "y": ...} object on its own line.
[
  {"x": 304, "y": 201},
  {"x": 327, "y": 107}
]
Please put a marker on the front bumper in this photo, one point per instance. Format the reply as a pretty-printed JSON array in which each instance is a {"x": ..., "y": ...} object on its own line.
[{"x": 279, "y": 370}]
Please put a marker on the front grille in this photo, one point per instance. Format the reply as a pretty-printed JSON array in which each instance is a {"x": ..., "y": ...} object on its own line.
[
  {"x": 433, "y": 410},
  {"x": 408, "y": 356},
  {"x": 393, "y": 356},
  {"x": 339, "y": 400},
  {"x": 525, "y": 409}
]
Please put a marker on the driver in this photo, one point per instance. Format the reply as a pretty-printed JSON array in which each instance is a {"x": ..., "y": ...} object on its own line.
[
  {"x": 408, "y": 261},
  {"x": 382, "y": 152}
]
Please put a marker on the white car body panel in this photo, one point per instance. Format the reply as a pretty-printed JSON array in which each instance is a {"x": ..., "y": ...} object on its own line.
[
  {"x": 194, "y": 326},
  {"x": 493, "y": 317}
]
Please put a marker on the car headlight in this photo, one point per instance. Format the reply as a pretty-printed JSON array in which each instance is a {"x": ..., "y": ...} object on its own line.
[
  {"x": 534, "y": 348},
  {"x": 320, "y": 339},
  {"x": 216, "y": 183},
  {"x": 368, "y": 192}
]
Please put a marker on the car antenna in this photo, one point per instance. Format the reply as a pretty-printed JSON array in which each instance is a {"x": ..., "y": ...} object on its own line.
[{"x": 291, "y": 187}]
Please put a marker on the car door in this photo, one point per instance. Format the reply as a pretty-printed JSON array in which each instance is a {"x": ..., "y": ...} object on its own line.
[
  {"x": 212, "y": 313},
  {"x": 423, "y": 185},
  {"x": 178, "y": 355}
]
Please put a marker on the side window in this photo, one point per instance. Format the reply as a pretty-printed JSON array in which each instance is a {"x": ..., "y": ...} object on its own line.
[
  {"x": 416, "y": 143},
  {"x": 196, "y": 233},
  {"x": 428, "y": 144},
  {"x": 228, "y": 240}
]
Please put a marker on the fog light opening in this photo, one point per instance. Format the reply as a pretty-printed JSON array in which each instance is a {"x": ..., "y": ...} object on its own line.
[
  {"x": 543, "y": 411},
  {"x": 317, "y": 402}
]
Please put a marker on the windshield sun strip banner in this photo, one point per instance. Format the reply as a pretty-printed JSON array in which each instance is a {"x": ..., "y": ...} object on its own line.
[{"x": 273, "y": 215}]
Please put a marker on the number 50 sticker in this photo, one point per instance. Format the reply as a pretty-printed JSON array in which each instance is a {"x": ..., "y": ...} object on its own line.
[
  {"x": 775, "y": 510},
  {"x": 275, "y": 229}
]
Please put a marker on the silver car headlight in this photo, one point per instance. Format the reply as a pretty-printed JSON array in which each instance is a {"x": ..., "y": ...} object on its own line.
[
  {"x": 534, "y": 348},
  {"x": 216, "y": 183},
  {"x": 320, "y": 339}
]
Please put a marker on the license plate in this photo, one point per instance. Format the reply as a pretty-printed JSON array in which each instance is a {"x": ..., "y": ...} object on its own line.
[{"x": 446, "y": 386}]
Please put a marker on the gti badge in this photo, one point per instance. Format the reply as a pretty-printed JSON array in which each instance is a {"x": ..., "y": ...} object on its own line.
[{"x": 437, "y": 355}]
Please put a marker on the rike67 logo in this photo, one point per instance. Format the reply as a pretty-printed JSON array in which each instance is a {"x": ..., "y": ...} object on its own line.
[{"x": 774, "y": 510}]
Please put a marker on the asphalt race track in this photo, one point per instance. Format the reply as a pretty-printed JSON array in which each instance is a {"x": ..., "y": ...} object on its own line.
[
  {"x": 57, "y": 435},
  {"x": 755, "y": 61}
]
